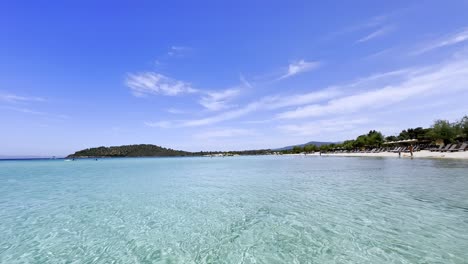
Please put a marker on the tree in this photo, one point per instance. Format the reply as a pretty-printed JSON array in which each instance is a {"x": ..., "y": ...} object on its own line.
[
  {"x": 348, "y": 144},
  {"x": 297, "y": 149},
  {"x": 442, "y": 129},
  {"x": 404, "y": 135},
  {"x": 310, "y": 148},
  {"x": 375, "y": 138},
  {"x": 360, "y": 141},
  {"x": 324, "y": 148},
  {"x": 462, "y": 128}
]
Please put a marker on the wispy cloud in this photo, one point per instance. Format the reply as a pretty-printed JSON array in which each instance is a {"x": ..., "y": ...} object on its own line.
[
  {"x": 13, "y": 98},
  {"x": 258, "y": 121},
  {"x": 153, "y": 83},
  {"x": 228, "y": 115},
  {"x": 160, "y": 124},
  {"x": 370, "y": 93},
  {"x": 277, "y": 102},
  {"x": 245, "y": 82},
  {"x": 323, "y": 126},
  {"x": 379, "y": 54},
  {"x": 23, "y": 110},
  {"x": 16, "y": 103},
  {"x": 218, "y": 100},
  {"x": 299, "y": 67},
  {"x": 377, "y": 33},
  {"x": 225, "y": 133},
  {"x": 369, "y": 23},
  {"x": 27, "y": 105},
  {"x": 266, "y": 103},
  {"x": 448, "y": 77},
  {"x": 175, "y": 111},
  {"x": 453, "y": 39},
  {"x": 178, "y": 51},
  {"x": 145, "y": 83}
]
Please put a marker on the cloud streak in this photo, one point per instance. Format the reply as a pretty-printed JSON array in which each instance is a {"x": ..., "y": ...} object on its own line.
[
  {"x": 323, "y": 126},
  {"x": 13, "y": 98},
  {"x": 371, "y": 93},
  {"x": 375, "y": 34},
  {"x": 448, "y": 77},
  {"x": 160, "y": 124},
  {"x": 459, "y": 37},
  {"x": 215, "y": 101},
  {"x": 146, "y": 83},
  {"x": 24, "y": 110},
  {"x": 299, "y": 67},
  {"x": 153, "y": 83},
  {"x": 225, "y": 133},
  {"x": 178, "y": 51},
  {"x": 266, "y": 103}
]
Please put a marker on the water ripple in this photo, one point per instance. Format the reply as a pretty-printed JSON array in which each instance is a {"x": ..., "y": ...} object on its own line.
[{"x": 234, "y": 210}]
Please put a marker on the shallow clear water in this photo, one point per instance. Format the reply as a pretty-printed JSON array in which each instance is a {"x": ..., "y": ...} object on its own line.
[{"x": 267, "y": 209}]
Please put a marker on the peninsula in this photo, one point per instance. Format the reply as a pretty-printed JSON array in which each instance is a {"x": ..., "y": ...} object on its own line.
[{"x": 141, "y": 150}]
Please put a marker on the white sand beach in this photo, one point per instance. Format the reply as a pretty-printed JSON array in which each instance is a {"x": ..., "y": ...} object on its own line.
[{"x": 418, "y": 154}]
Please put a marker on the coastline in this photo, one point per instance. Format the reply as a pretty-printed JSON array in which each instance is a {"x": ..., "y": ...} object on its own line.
[{"x": 418, "y": 154}]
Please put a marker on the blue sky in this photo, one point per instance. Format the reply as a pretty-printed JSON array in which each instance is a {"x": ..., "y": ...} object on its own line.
[{"x": 219, "y": 75}]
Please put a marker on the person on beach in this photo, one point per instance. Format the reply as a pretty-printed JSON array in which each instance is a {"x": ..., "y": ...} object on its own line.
[{"x": 411, "y": 150}]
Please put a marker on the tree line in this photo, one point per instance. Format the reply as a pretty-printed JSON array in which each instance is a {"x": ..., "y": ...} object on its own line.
[
  {"x": 141, "y": 150},
  {"x": 148, "y": 150},
  {"x": 443, "y": 130}
]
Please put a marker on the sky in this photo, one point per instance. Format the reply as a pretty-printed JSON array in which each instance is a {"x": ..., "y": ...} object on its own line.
[{"x": 225, "y": 75}]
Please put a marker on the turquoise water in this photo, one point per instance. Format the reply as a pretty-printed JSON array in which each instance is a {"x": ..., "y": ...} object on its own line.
[{"x": 269, "y": 209}]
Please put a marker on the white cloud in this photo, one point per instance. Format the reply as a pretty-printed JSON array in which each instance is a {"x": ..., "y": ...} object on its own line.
[
  {"x": 370, "y": 23},
  {"x": 245, "y": 82},
  {"x": 377, "y": 33},
  {"x": 266, "y": 103},
  {"x": 225, "y": 133},
  {"x": 145, "y": 83},
  {"x": 379, "y": 54},
  {"x": 160, "y": 124},
  {"x": 13, "y": 98},
  {"x": 258, "y": 121},
  {"x": 364, "y": 95},
  {"x": 218, "y": 100},
  {"x": 444, "y": 78},
  {"x": 178, "y": 51},
  {"x": 175, "y": 111},
  {"x": 452, "y": 39},
  {"x": 300, "y": 67},
  {"x": 224, "y": 116},
  {"x": 12, "y": 101},
  {"x": 323, "y": 126},
  {"x": 301, "y": 99},
  {"x": 153, "y": 83},
  {"x": 369, "y": 93},
  {"x": 23, "y": 110}
]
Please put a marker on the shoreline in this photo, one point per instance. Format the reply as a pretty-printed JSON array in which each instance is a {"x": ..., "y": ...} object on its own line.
[{"x": 419, "y": 154}]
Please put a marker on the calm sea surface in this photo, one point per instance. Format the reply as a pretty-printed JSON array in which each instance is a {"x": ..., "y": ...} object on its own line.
[{"x": 267, "y": 209}]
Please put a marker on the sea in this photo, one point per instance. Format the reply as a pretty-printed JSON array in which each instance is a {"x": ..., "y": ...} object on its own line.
[{"x": 248, "y": 209}]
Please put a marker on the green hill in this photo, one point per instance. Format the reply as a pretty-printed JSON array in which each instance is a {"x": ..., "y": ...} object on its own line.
[{"x": 142, "y": 150}]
